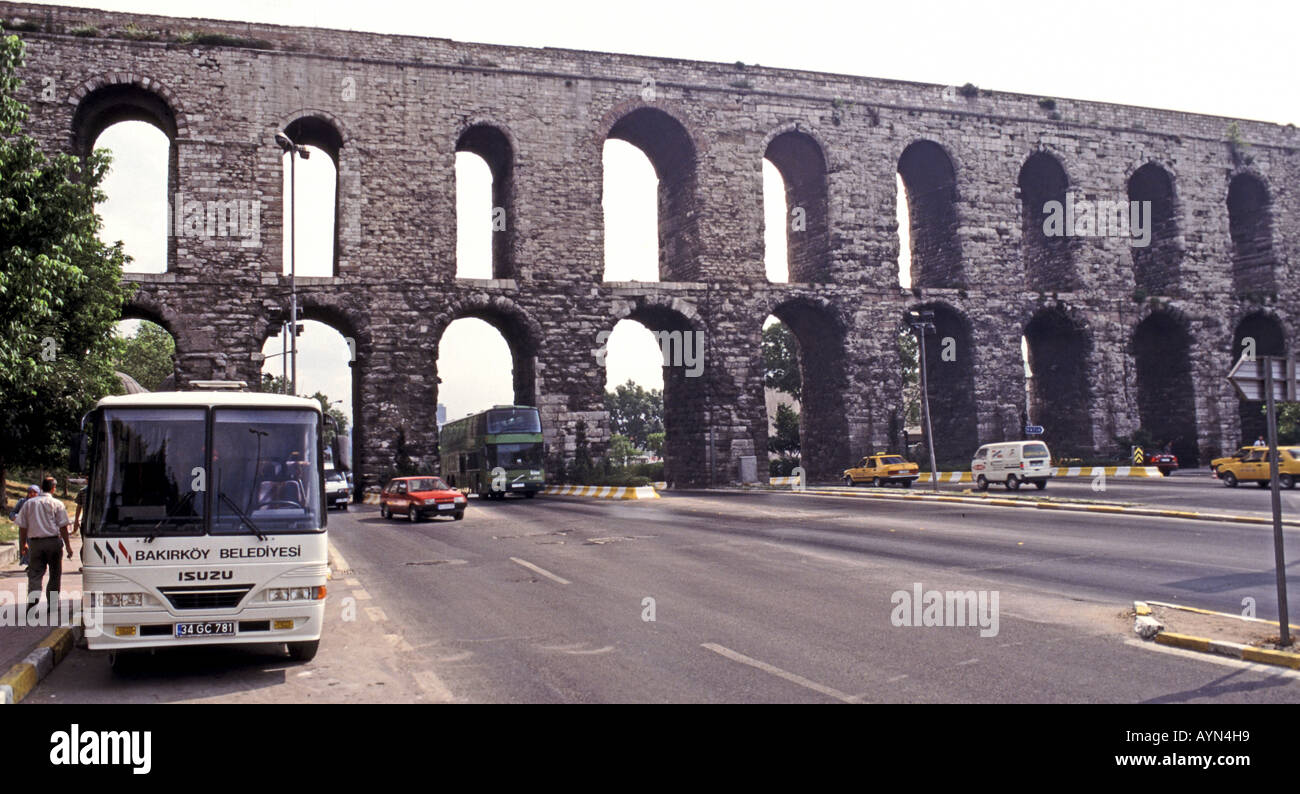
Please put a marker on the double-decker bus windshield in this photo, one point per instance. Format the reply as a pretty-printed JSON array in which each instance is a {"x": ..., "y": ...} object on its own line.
[
  {"x": 264, "y": 471},
  {"x": 147, "y": 462},
  {"x": 513, "y": 420}
]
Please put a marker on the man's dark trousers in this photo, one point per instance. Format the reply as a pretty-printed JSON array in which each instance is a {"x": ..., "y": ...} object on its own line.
[{"x": 45, "y": 552}]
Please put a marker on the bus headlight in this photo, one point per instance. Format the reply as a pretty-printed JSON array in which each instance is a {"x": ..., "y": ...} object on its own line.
[
  {"x": 295, "y": 593},
  {"x": 119, "y": 600}
]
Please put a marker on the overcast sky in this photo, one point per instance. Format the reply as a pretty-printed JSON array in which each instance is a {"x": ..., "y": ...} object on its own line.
[{"x": 1237, "y": 59}]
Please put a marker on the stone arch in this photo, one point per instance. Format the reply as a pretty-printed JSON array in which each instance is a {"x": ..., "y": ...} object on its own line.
[
  {"x": 1161, "y": 348},
  {"x": 1048, "y": 259},
  {"x": 522, "y": 333},
  {"x": 351, "y": 322},
  {"x": 950, "y": 369},
  {"x": 823, "y": 425},
  {"x": 1250, "y": 225},
  {"x": 141, "y": 307},
  {"x": 495, "y": 144},
  {"x": 319, "y": 129},
  {"x": 801, "y": 160},
  {"x": 930, "y": 183},
  {"x": 1268, "y": 338},
  {"x": 688, "y": 404},
  {"x": 108, "y": 99},
  {"x": 672, "y": 151},
  {"x": 1157, "y": 266},
  {"x": 1060, "y": 349}
]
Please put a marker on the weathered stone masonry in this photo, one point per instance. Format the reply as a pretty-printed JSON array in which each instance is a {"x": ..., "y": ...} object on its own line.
[{"x": 1120, "y": 336}]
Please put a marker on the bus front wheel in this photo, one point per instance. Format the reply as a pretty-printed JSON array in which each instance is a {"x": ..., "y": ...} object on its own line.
[{"x": 303, "y": 651}]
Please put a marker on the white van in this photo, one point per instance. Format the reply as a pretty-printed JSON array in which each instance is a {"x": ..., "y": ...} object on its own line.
[{"x": 1012, "y": 463}]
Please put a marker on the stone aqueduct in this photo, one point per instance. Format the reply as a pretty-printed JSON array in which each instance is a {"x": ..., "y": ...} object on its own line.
[{"x": 1120, "y": 337}]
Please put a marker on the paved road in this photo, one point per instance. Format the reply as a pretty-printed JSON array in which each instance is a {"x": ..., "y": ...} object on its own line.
[{"x": 758, "y": 597}]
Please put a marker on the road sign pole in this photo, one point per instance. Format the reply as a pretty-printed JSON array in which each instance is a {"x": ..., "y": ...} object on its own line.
[
  {"x": 925, "y": 409},
  {"x": 1284, "y": 621}
]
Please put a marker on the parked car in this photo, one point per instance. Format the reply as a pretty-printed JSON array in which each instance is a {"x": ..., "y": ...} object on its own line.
[
  {"x": 1164, "y": 461},
  {"x": 1240, "y": 454},
  {"x": 1254, "y": 468},
  {"x": 883, "y": 468},
  {"x": 1012, "y": 464},
  {"x": 337, "y": 492},
  {"x": 420, "y": 497}
]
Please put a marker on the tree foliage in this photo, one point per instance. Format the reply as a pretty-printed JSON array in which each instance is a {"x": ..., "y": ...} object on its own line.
[
  {"x": 785, "y": 440},
  {"x": 910, "y": 354},
  {"x": 61, "y": 289},
  {"x": 635, "y": 412},
  {"x": 781, "y": 360},
  {"x": 621, "y": 449},
  {"x": 148, "y": 356}
]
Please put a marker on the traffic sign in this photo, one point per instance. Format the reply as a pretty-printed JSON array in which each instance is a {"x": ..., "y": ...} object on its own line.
[
  {"x": 1139, "y": 456},
  {"x": 1247, "y": 377},
  {"x": 1033, "y": 430}
]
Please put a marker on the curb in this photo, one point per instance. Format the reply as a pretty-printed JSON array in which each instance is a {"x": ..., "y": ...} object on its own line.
[
  {"x": 603, "y": 491},
  {"x": 1235, "y": 650},
  {"x": 8, "y": 553},
  {"x": 23, "y": 677},
  {"x": 1074, "y": 507}
]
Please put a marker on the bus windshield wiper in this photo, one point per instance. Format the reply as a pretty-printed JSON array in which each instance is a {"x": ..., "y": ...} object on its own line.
[
  {"x": 248, "y": 522},
  {"x": 153, "y": 533}
]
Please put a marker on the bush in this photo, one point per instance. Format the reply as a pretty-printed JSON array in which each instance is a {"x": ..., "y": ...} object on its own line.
[{"x": 782, "y": 467}]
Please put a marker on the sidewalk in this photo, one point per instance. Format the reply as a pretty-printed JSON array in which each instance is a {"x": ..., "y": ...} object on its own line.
[{"x": 16, "y": 642}]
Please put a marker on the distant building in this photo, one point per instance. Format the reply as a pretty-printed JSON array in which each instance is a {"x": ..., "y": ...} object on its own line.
[{"x": 442, "y": 415}]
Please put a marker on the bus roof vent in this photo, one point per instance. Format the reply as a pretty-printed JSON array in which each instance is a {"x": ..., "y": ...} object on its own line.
[{"x": 219, "y": 385}]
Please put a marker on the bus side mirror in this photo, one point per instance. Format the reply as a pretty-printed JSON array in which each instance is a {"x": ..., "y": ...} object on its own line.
[
  {"x": 341, "y": 452},
  {"x": 77, "y": 454}
]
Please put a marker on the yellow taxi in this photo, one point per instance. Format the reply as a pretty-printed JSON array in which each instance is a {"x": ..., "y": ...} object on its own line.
[
  {"x": 882, "y": 468},
  {"x": 1219, "y": 463},
  {"x": 1254, "y": 468}
]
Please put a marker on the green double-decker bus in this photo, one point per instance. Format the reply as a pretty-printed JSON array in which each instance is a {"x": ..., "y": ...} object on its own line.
[{"x": 494, "y": 452}]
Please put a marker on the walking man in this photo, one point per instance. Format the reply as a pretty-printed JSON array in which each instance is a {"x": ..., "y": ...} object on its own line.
[{"x": 41, "y": 523}]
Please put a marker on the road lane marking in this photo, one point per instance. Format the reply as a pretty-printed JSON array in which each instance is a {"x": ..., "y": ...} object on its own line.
[
  {"x": 376, "y": 614},
  {"x": 542, "y": 571},
  {"x": 779, "y": 673},
  {"x": 399, "y": 642},
  {"x": 360, "y": 595},
  {"x": 896, "y": 679},
  {"x": 350, "y": 582},
  {"x": 433, "y": 686}
]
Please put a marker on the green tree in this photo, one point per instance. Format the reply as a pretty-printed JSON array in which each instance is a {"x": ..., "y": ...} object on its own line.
[
  {"x": 61, "y": 290},
  {"x": 583, "y": 465},
  {"x": 148, "y": 356},
  {"x": 910, "y": 353},
  {"x": 781, "y": 360},
  {"x": 785, "y": 441},
  {"x": 635, "y": 412},
  {"x": 621, "y": 449},
  {"x": 656, "y": 443}
]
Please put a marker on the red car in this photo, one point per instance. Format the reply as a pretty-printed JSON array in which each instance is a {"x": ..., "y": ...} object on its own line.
[
  {"x": 418, "y": 497},
  {"x": 1163, "y": 461}
]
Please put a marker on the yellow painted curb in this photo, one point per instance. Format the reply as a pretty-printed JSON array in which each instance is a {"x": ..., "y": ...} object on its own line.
[
  {"x": 21, "y": 679},
  {"x": 60, "y": 641},
  {"x": 1283, "y": 658},
  {"x": 1183, "y": 641},
  {"x": 604, "y": 491}
]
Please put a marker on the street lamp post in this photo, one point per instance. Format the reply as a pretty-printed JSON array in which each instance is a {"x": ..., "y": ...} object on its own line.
[
  {"x": 294, "y": 151},
  {"x": 922, "y": 322}
]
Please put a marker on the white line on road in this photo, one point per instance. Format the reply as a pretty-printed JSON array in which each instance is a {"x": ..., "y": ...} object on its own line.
[
  {"x": 542, "y": 571},
  {"x": 360, "y": 595},
  {"x": 779, "y": 673},
  {"x": 376, "y": 614}
]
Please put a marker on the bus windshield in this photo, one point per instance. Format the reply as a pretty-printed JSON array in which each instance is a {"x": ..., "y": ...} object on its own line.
[
  {"x": 146, "y": 464},
  {"x": 264, "y": 471},
  {"x": 513, "y": 420}
]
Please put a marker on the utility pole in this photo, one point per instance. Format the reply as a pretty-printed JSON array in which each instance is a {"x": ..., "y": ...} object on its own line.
[
  {"x": 922, "y": 322},
  {"x": 294, "y": 151}
]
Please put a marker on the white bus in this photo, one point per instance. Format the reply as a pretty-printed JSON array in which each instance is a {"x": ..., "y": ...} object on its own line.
[{"x": 204, "y": 521}]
